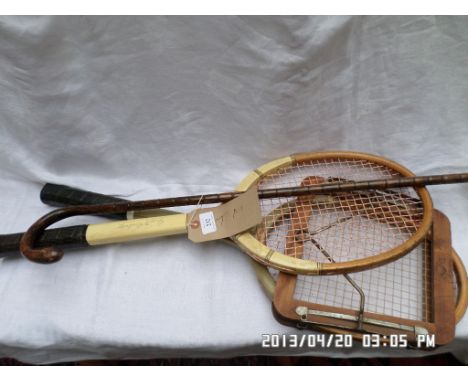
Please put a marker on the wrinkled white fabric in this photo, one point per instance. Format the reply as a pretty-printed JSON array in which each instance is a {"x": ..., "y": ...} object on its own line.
[{"x": 147, "y": 107}]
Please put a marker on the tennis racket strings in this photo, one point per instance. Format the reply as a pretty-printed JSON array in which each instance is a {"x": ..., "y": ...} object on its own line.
[{"x": 350, "y": 225}]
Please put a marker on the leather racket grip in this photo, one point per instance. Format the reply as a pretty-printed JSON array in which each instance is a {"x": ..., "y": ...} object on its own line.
[
  {"x": 71, "y": 237},
  {"x": 60, "y": 196}
]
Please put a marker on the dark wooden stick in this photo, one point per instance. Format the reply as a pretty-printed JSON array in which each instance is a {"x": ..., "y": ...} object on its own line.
[{"x": 51, "y": 254}]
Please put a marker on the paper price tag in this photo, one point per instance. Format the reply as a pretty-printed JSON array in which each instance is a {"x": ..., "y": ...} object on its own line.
[
  {"x": 207, "y": 222},
  {"x": 226, "y": 220}
]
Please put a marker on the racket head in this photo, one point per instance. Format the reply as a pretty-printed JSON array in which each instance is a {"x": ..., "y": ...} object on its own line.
[
  {"x": 418, "y": 294},
  {"x": 460, "y": 290},
  {"x": 267, "y": 278},
  {"x": 460, "y": 284},
  {"x": 373, "y": 227}
]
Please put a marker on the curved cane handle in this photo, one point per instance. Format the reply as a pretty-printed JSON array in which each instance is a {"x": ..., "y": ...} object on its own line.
[
  {"x": 43, "y": 255},
  {"x": 50, "y": 255}
]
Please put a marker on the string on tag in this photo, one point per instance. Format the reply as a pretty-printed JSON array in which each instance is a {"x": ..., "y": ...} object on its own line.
[{"x": 193, "y": 213}]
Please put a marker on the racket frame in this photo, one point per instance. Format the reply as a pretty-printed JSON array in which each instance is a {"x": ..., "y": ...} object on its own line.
[
  {"x": 249, "y": 243},
  {"x": 292, "y": 311}
]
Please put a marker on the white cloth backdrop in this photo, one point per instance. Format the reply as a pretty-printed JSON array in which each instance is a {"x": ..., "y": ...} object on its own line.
[{"x": 155, "y": 106}]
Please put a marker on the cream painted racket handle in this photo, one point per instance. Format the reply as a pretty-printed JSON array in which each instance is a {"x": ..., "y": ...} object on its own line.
[
  {"x": 137, "y": 229},
  {"x": 98, "y": 234},
  {"x": 59, "y": 195},
  {"x": 150, "y": 223}
]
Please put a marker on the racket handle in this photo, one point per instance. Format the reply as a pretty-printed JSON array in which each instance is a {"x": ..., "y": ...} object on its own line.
[
  {"x": 70, "y": 237},
  {"x": 75, "y": 236},
  {"x": 62, "y": 196},
  {"x": 58, "y": 195}
]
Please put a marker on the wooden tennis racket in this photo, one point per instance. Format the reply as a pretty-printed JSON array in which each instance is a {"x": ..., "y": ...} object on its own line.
[
  {"x": 414, "y": 295},
  {"x": 351, "y": 203}
]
